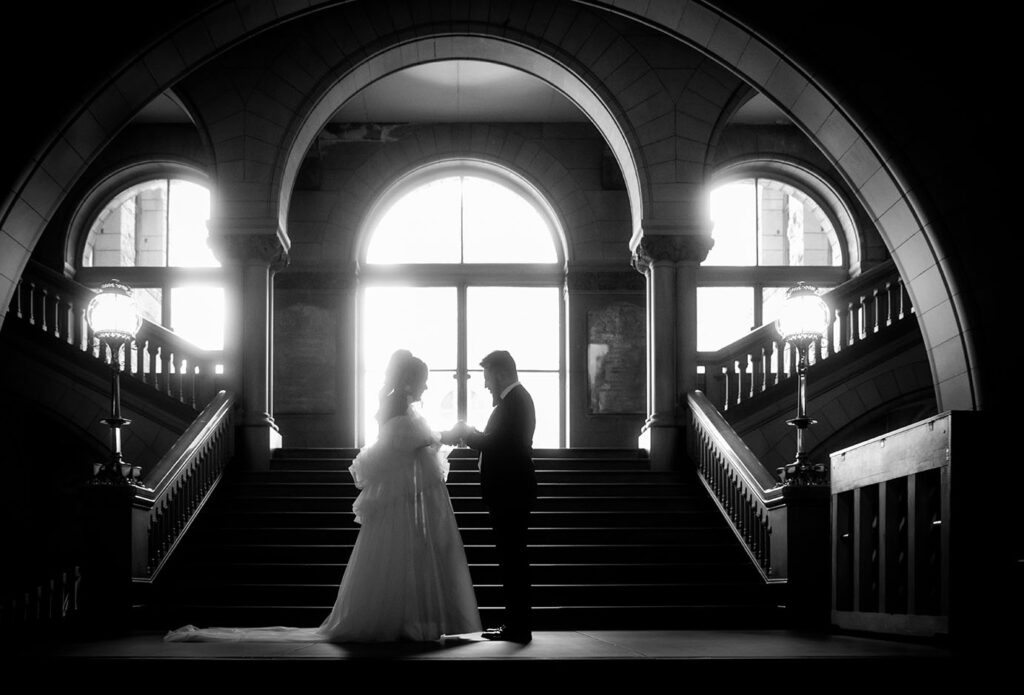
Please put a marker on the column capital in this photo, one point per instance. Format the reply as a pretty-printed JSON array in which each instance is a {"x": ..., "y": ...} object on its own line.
[
  {"x": 248, "y": 242},
  {"x": 671, "y": 248}
]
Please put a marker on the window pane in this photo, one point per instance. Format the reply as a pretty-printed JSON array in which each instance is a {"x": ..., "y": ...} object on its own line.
[
  {"x": 197, "y": 315},
  {"x": 420, "y": 227},
  {"x": 189, "y": 212},
  {"x": 500, "y": 226},
  {"x": 772, "y": 299},
  {"x": 794, "y": 229},
  {"x": 522, "y": 320},
  {"x": 734, "y": 215},
  {"x": 149, "y": 302},
  {"x": 420, "y": 319},
  {"x": 543, "y": 387},
  {"x": 724, "y": 314},
  {"x": 131, "y": 229}
]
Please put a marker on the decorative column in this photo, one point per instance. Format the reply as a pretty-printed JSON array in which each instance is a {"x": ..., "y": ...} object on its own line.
[
  {"x": 252, "y": 253},
  {"x": 669, "y": 263}
]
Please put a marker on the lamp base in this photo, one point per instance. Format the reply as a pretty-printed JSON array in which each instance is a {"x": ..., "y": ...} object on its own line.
[{"x": 803, "y": 473}]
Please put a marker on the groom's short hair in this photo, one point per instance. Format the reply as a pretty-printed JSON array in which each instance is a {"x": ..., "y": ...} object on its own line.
[{"x": 500, "y": 361}]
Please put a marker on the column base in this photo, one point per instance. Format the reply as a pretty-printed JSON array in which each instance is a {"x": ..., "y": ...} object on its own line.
[
  {"x": 663, "y": 443},
  {"x": 256, "y": 445}
]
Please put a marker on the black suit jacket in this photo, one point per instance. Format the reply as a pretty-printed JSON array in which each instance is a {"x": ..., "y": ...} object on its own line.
[{"x": 507, "y": 477}]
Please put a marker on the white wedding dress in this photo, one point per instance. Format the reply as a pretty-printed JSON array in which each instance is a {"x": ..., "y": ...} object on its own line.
[{"x": 407, "y": 577}]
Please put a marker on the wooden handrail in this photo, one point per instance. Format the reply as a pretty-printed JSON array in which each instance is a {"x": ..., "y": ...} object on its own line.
[
  {"x": 760, "y": 481},
  {"x": 179, "y": 485},
  {"x": 56, "y": 305},
  {"x": 747, "y": 494},
  {"x": 783, "y": 529},
  {"x": 758, "y": 362}
]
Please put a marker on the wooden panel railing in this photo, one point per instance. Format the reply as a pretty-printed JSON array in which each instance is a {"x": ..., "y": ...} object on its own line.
[
  {"x": 744, "y": 490},
  {"x": 891, "y": 530},
  {"x": 862, "y": 308},
  {"x": 47, "y": 604},
  {"x": 56, "y": 306},
  {"x": 179, "y": 485}
]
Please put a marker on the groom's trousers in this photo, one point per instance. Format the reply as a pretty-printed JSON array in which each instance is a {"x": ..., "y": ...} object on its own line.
[{"x": 511, "y": 525}]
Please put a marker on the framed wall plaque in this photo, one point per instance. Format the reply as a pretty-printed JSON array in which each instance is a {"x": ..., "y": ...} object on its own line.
[{"x": 617, "y": 359}]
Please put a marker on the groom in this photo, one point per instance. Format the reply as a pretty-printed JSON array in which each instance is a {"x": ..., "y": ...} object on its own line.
[{"x": 509, "y": 485}]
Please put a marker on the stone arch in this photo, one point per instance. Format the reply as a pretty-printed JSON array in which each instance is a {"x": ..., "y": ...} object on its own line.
[
  {"x": 477, "y": 142},
  {"x": 414, "y": 173},
  {"x": 940, "y": 300},
  {"x": 468, "y": 48}
]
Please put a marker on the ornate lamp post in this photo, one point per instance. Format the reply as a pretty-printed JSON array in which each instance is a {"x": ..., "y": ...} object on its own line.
[
  {"x": 805, "y": 318},
  {"x": 114, "y": 319}
]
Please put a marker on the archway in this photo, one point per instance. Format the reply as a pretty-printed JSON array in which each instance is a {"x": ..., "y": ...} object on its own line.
[{"x": 940, "y": 297}]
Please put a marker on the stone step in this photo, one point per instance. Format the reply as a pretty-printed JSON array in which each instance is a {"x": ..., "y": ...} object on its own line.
[
  {"x": 583, "y": 573},
  {"x": 718, "y": 593},
  {"x": 698, "y": 550},
  {"x": 470, "y": 476},
  {"x": 469, "y": 464},
  {"x": 225, "y": 519},
  {"x": 566, "y": 535},
  {"x": 545, "y": 489},
  {"x": 464, "y": 452},
  {"x": 618, "y": 503}
]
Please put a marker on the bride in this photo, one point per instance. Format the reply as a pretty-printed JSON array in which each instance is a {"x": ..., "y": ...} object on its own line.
[{"x": 407, "y": 577}]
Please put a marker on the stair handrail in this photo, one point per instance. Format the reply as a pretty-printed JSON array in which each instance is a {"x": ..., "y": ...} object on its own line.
[
  {"x": 760, "y": 361},
  {"x": 747, "y": 493},
  {"x": 158, "y": 357},
  {"x": 176, "y": 488}
]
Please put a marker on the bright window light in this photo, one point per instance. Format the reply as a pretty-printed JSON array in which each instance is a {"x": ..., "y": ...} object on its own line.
[
  {"x": 724, "y": 314},
  {"x": 770, "y": 223},
  {"x": 420, "y": 319},
  {"x": 188, "y": 212},
  {"x": 462, "y": 219},
  {"x": 421, "y": 227},
  {"x": 522, "y": 320},
  {"x": 197, "y": 315},
  {"x": 501, "y": 226}
]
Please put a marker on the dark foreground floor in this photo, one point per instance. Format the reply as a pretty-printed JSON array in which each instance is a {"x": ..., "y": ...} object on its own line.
[{"x": 588, "y": 656}]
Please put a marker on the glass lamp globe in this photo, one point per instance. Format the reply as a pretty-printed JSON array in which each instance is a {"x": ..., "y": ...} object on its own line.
[
  {"x": 805, "y": 315},
  {"x": 112, "y": 313}
]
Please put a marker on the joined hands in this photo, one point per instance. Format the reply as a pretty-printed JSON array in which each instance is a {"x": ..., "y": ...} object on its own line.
[{"x": 457, "y": 434}]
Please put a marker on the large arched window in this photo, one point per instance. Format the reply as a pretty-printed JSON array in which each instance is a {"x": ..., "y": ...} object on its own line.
[
  {"x": 153, "y": 235},
  {"x": 461, "y": 259},
  {"x": 769, "y": 234}
]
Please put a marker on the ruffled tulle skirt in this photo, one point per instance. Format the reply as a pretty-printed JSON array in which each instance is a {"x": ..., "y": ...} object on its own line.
[{"x": 407, "y": 577}]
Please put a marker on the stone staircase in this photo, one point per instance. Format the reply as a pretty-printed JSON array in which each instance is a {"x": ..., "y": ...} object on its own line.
[{"x": 612, "y": 545}]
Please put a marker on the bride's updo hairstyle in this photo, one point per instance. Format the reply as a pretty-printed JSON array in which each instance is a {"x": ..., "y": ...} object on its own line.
[{"x": 403, "y": 373}]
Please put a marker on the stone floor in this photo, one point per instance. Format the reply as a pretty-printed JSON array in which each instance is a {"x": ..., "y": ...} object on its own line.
[{"x": 589, "y": 656}]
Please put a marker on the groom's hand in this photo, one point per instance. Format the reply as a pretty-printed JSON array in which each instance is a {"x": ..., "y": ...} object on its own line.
[{"x": 454, "y": 435}]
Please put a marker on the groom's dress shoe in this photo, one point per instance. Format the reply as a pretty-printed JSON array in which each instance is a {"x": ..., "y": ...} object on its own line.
[{"x": 503, "y": 634}]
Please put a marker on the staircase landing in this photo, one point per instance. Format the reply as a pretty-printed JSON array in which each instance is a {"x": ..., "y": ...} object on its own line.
[{"x": 612, "y": 545}]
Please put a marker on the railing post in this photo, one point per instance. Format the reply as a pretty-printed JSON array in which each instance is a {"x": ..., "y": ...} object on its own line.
[
  {"x": 107, "y": 570},
  {"x": 759, "y": 370},
  {"x": 744, "y": 380},
  {"x": 808, "y": 565}
]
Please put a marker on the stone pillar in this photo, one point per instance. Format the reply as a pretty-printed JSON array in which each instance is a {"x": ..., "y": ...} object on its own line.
[
  {"x": 252, "y": 253},
  {"x": 669, "y": 263}
]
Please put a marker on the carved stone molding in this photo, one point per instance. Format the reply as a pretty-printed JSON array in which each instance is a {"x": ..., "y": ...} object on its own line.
[
  {"x": 233, "y": 248},
  {"x": 674, "y": 248},
  {"x": 305, "y": 278},
  {"x": 604, "y": 280}
]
